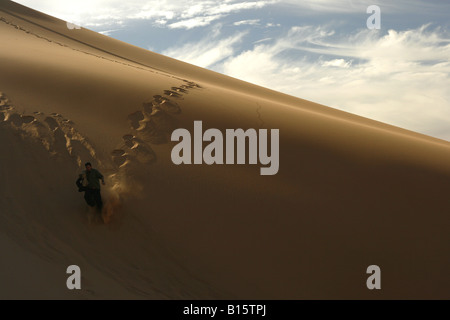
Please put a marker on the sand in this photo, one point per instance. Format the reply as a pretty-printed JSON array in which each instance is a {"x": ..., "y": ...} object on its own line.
[{"x": 350, "y": 192}]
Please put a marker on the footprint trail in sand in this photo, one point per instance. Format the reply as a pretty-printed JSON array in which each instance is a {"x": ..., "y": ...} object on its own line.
[{"x": 151, "y": 125}]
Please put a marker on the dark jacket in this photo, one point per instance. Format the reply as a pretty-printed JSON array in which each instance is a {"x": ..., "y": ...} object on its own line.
[{"x": 93, "y": 177}]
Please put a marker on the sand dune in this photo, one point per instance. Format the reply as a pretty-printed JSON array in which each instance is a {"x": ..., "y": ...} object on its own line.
[{"x": 350, "y": 192}]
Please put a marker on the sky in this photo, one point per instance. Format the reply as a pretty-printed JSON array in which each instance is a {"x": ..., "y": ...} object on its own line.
[{"x": 319, "y": 50}]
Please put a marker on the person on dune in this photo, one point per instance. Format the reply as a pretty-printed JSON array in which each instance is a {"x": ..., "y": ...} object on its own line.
[{"x": 89, "y": 182}]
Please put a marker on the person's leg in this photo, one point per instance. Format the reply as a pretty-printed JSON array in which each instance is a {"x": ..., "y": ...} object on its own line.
[
  {"x": 98, "y": 200},
  {"x": 89, "y": 197}
]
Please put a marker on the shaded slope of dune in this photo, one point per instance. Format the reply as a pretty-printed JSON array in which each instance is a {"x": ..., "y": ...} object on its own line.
[{"x": 351, "y": 192}]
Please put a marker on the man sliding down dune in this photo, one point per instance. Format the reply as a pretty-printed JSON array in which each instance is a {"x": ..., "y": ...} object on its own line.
[{"x": 89, "y": 182}]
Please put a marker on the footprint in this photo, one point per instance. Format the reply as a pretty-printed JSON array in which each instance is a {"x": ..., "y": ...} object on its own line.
[
  {"x": 27, "y": 119},
  {"x": 134, "y": 150},
  {"x": 158, "y": 98},
  {"x": 60, "y": 141},
  {"x": 52, "y": 123},
  {"x": 117, "y": 153},
  {"x": 157, "y": 128},
  {"x": 135, "y": 118},
  {"x": 172, "y": 94},
  {"x": 15, "y": 119},
  {"x": 5, "y": 107},
  {"x": 128, "y": 140},
  {"x": 128, "y": 137},
  {"x": 192, "y": 84},
  {"x": 143, "y": 153},
  {"x": 189, "y": 84},
  {"x": 67, "y": 121},
  {"x": 148, "y": 107},
  {"x": 119, "y": 157},
  {"x": 179, "y": 89},
  {"x": 170, "y": 107},
  {"x": 39, "y": 130}
]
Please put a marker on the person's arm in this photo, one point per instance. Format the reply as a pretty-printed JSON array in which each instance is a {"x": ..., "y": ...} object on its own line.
[
  {"x": 79, "y": 183},
  {"x": 101, "y": 177}
]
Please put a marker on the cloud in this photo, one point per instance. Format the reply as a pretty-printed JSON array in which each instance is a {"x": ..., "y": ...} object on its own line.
[
  {"x": 207, "y": 52},
  {"x": 405, "y": 46},
  {"x": 107, "y": 32},
  {"x": 194, "y": 22},
  {"x": 247, "y": 22},
  {"x": 401, "y": 77},
  {"x": 262, "y": 40},
  {"x": 173, "y": 13},
  {"x": 339, "y": 63},
  {"x": 203, "y": 14},
  {"x": 359, "y": 6}
]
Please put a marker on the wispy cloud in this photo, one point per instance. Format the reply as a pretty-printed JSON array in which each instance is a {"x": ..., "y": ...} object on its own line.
[
  {"x": 339, "y": 63},
  {"x": 189, "y": 13},
  {"x": 209, "y": 51},
  {"x": 195, "y": 22},
  {"x": 358, "y": 6},
  {"x": 401, "y": 77},
  {"x": 204, "y": 13},
  {"x": 253, "y": 22},
  {"x": 262, "y": 40},
  {"x": 173, "y": 13}
]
